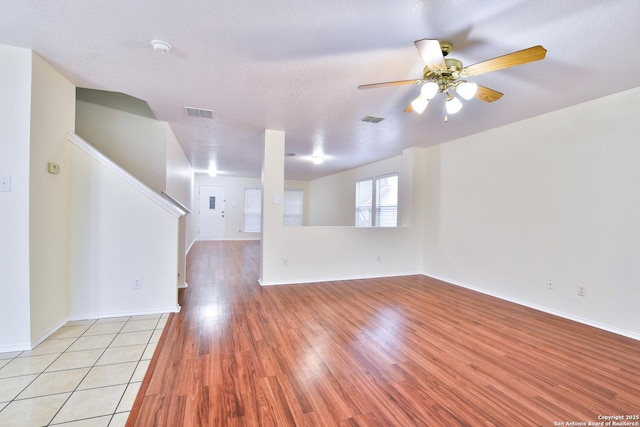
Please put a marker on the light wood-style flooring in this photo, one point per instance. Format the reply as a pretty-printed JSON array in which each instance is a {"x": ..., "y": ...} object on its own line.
[{"x": 404, "y": 351}]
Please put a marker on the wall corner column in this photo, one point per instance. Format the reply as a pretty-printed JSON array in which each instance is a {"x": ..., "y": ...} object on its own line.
[{"x": 272, "y": 199}]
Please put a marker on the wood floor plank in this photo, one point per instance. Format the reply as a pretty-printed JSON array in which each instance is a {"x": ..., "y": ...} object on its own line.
[{"x": 400, "y": 351}]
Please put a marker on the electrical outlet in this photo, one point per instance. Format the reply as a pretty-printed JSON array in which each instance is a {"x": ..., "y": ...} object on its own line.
[
  {"x": 137, "y": 283},
  {"x": 285, "y": 262},
  {"x": 550, "y": 285},
  {"x": 582, "y": 291}
]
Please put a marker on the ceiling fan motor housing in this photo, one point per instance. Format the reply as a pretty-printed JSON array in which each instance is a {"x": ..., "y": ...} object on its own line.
[{"x": 445, "y": 79}]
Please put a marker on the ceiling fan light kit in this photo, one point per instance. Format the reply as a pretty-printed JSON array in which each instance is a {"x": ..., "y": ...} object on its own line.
[
  {"x": 440, "y": 75},
  {"x": 419, "y": 104},
  {"x": 466, "y": 90}
]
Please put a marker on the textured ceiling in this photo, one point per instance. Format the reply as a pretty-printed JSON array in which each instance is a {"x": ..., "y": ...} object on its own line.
[{"x": 295, "y": 66}]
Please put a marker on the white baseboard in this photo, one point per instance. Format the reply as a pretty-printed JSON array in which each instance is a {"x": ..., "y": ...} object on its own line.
[
  {"x": 568, "y": 316},
  {"x": 91, "y": 316},
  {"x": 15, "y": 348},
  {"x": 332, "y": 279},
  {"x": 50, "y": 332}
]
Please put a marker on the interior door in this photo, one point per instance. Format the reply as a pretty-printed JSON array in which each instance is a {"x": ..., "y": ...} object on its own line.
[{"x": 212, "y": 219}]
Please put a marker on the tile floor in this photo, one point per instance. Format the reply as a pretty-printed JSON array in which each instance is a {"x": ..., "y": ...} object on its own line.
[{"x": 86, "y": 374}]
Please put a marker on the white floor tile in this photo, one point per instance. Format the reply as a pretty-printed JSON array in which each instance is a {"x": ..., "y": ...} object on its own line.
[
  {"x": 32, "y": 412},
  {"x": 88, "y": 373},
  {"x": 92, "y": 342},
  {"x": 140, "y": 325},
  {"x": 90, "y": 403},
  {"x": 113, "y": 319},
  {"x": 129, "y": 353},
  {"x": 156, "y": 335},
  {"x": 104, "y": 328},
  {"x": 50, "y": 346},
  {"x": 27, "y": 365},
  {"x": 54, "y": 383},
  {"x": 80, "y": 322},
  {"x": 148, "y": 352},
  {"x": 107, "y": 375},
  {"x": 89, "y": 422},
  {"x": 130, "y": 338},
  {"x": 119, "y": 420},
  {"x": 69, "y": 332},
  {"x": 11, "y": 387},
  {"x": 129, "y": 397},
  {"x": 141, "y": 370},
  {"x": 75, "y": 359},
  {"x": 10, "y": 355}
]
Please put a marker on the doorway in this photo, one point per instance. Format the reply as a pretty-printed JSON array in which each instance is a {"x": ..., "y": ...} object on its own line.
[{"x": 212, "y": 223}]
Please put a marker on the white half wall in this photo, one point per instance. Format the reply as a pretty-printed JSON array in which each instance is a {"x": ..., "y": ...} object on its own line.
[
  {"x": 553, "y": 198},
  {"x": 118, "y": 235},
  {"x": 15, "y": 116},
  {"x": 316, "y": 253}
]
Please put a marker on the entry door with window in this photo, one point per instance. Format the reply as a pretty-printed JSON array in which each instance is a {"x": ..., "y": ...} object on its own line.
[{"x": 212, "y": 223}]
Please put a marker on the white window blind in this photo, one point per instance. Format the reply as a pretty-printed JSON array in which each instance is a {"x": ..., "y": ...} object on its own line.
[
  {"x": 364, "y": 202},
  {"x": 387, "y": 200},
  {"x": 293, "y": 208},
  {"x": 252, "y": 210}
]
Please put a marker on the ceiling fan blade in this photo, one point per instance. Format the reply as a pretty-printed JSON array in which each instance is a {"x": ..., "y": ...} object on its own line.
[
  {"x": 487, "y": 95},
  {"x": 394, "y": 83},
  {"x": 531, "y": 54},
  {"x": 431, "y": 52}
]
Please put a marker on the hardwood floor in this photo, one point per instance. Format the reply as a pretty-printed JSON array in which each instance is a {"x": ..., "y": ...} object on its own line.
[{"x": 380, "y": 352}]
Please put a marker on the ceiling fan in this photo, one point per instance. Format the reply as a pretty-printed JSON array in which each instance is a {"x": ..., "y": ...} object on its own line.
[{"x": 446, "y": 75}]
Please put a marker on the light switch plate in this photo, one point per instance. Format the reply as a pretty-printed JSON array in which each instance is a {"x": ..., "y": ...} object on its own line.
[{"x": 5, "y": 183}]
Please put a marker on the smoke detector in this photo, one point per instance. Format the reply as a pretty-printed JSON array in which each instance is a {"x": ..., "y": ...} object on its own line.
[{"x": 160, "y": 46}]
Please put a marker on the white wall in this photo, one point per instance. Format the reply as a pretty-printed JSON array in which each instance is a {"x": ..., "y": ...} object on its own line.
[
  {"x": 15, "y": 116},
  {"x": 118, "y": 234},
  {"x": 52, "y": 117},
  {"x": 136, "y": 143},
  {"x": 550, "y": 198},
  {"x": 332, "y": 198}
]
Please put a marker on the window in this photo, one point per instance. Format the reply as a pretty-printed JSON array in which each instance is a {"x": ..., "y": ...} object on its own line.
[
  {"x": 387, "y": 200},
  {"x": 252, "y": 210},
  {"x": 379, "y": 207},
  {"x": 293, "y": 208},
  {"x": 364, "y": 201}
]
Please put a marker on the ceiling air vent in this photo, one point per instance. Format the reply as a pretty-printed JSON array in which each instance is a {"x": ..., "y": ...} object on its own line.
[
  {"x": 199, "y": 112},
  {"x": 372, "y": 119}
]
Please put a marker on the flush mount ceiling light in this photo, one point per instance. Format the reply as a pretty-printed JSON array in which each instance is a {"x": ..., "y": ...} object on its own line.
[
  {"x": 446, "y": 75},
  {"x": 160, "y": 46},
  {"x": 317, "y": 157}
]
